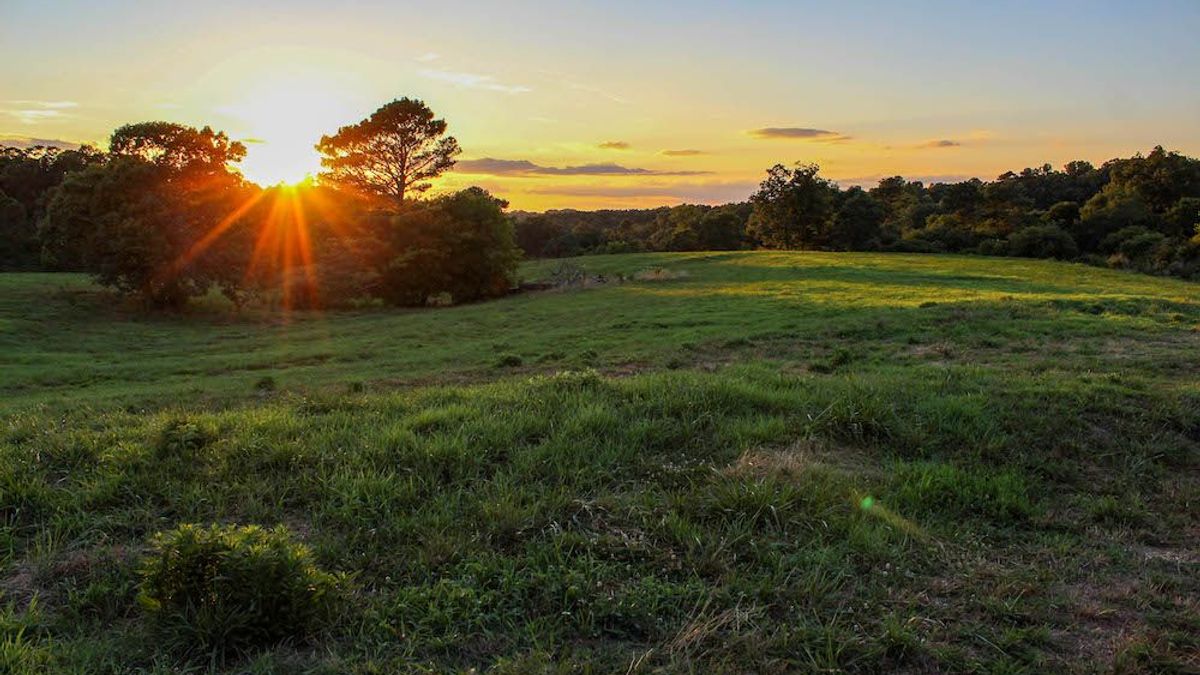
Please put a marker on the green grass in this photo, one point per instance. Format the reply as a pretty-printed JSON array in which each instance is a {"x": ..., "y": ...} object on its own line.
[{"x": 769, "y": 462}]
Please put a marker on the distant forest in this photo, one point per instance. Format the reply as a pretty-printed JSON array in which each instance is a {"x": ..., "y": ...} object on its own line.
[
  {"x": 1141, "y": 213},
  {"x": 164, "y": 215}
]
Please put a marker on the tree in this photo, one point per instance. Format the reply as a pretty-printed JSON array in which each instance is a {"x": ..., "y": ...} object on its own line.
[
  {"x": 1184, "y": 218},
  {"x": 1062, "y": 214},
  {"x": 27, "y": 177},
  {"x": 1042, "y": 241},
  {"x": 18, "y": 243},
  {"x": 1112, "y": 209},
  {"x": 391, "y": 154},
  {"x": 176, "y": 148},
  {"x": 1159, "y": 179},
  {"x": 535, "y": 233},
  {"x": 722, "y": 228},
  {"x": 792, "y": 207},
  {"x": 136, "y": 230},
  {"x": 460, "y": 245},
  {"x": 856, "y": 222}
]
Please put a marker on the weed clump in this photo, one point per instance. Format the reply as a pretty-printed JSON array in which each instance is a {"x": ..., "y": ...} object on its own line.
[
  {"x": 225, "y": 588},
  {"x": 509, "y": 361},
  {"x": 184, "y": 437}
]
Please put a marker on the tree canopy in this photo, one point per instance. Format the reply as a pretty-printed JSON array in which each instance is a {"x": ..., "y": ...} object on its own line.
[
  {"x": 391, "y": 154},
  {"x": 176, "y": 147}
]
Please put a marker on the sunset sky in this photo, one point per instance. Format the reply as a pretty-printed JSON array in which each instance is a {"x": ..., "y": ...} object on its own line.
[{"x": 623, "y": 104}]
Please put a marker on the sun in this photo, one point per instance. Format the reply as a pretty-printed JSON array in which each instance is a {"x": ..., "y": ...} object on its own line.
[{"x": 283, "y": 118}]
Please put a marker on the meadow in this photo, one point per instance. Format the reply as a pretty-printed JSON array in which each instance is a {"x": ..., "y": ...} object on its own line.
[{"x": 740, "y": 462}]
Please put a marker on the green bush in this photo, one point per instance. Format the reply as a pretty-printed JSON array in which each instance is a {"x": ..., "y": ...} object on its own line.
[
  {"x": 184, "y": 437},
  {"x": 1042, "y": 241},
  {"x": 226, "y": 588}
]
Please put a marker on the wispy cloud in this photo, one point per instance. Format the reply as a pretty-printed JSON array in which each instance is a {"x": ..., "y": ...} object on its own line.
[
  {"x": 800, "y": 134},
  {"x": 614, "y": 145},
  {"x": 683, "y": 153},
  {"x": 598, "y": 92},
  {"x": 26, "y": 142},
  {"x": 472, "y": 81},
  {"x": 940, "y": 143},
  {"x": 27, "y": 111},
  {"x": 428, "y": 57},
  {"x": 521, "y": 167},
  {"x": 53, "y": 105},
  {"x": 708, "y": 193}
]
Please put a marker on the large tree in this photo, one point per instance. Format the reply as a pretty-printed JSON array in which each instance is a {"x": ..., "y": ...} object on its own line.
[
  {"x": 792, "y": 207},
  {"x": 177, "y": 148},
  {"x": 162, "y": 218},
  {"x": 391, "y": 154},
  {"x": 460, "y": 245}
]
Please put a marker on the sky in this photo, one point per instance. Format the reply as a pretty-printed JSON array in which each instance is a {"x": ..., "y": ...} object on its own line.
[{"x": 621, "y": 104}]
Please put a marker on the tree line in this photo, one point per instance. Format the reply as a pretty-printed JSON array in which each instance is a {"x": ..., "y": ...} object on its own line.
[
  {"x": 1141, "y": 212},
  {"x": 164, "y": 215}
]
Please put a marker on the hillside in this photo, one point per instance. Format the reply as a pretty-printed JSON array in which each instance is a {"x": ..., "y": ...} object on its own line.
[{"x": 751, "y": 461}]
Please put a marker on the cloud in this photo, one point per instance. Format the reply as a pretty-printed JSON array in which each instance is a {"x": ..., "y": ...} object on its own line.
[
  {"x": 521, "y": 167},
  {"x": 53, "y": 105},
  {"x": 941, "y": 143},
  {"x": 683, "y": 153},
  {"x": 598, "y": 92},
  {"x": 614, "y": 145},
  {"x": 25, "y": 142},
  {"x": 708, "y": 193},
  {"x": 428, "y": 57},
  {"x": 472, "y": 81},
  {"x": 799, "y": 133},
  {"x": 26, "y": 111}
]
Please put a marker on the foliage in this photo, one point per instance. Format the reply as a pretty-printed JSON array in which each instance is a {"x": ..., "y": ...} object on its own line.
[
  {"x": 1042, "y": 241},
  {"x": 134, "y": 228},
  {"x": 177, "y": 148},
  {"x": 1157, "y": 192},
  {"x": 27, "y": 178},
  {"x": 792, "y": 208},
  {"x": 391, "y": 154},
  {"x": 460, "y": 245},
  {"x": 223, "y": 588}
]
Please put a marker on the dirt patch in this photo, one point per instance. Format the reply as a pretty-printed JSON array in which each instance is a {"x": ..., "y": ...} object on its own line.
[{"x": 798, "y": 458}]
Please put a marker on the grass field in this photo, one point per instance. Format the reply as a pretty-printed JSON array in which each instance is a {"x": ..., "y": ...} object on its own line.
[{"x": 748, "y": 462}]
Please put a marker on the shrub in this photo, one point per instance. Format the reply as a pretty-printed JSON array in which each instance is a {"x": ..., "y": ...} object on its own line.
[
  {"x": 508, "y": 361},
  {"x": 225, "y": 588},
  {"x": 461, "y": 245},
  {"x": 182, "y": 436},
  {"x": 1042, "y": 241}
]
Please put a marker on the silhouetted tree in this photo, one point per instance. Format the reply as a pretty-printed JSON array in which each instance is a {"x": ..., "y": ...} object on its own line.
[
  {"x": 136, "y": 226},
  {"x": 1042, "y": 241},
  {"x": 857, "y": 222},
  {"x": 460, "y": 245},
  {"x": 792, "y": 207},
  {"x": 177, "y": 148},
  {"x": 391, "y": 154},
  {"x": 28, "y": 176}
]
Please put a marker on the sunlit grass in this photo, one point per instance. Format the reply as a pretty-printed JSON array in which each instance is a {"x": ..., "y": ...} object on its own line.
[{"x": 774, "y": 462}]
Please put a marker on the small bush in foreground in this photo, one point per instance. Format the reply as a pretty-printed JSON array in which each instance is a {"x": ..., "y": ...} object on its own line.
[
  {"x": 181, "y": 436},
  {"x": 225, "y": 588}
]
